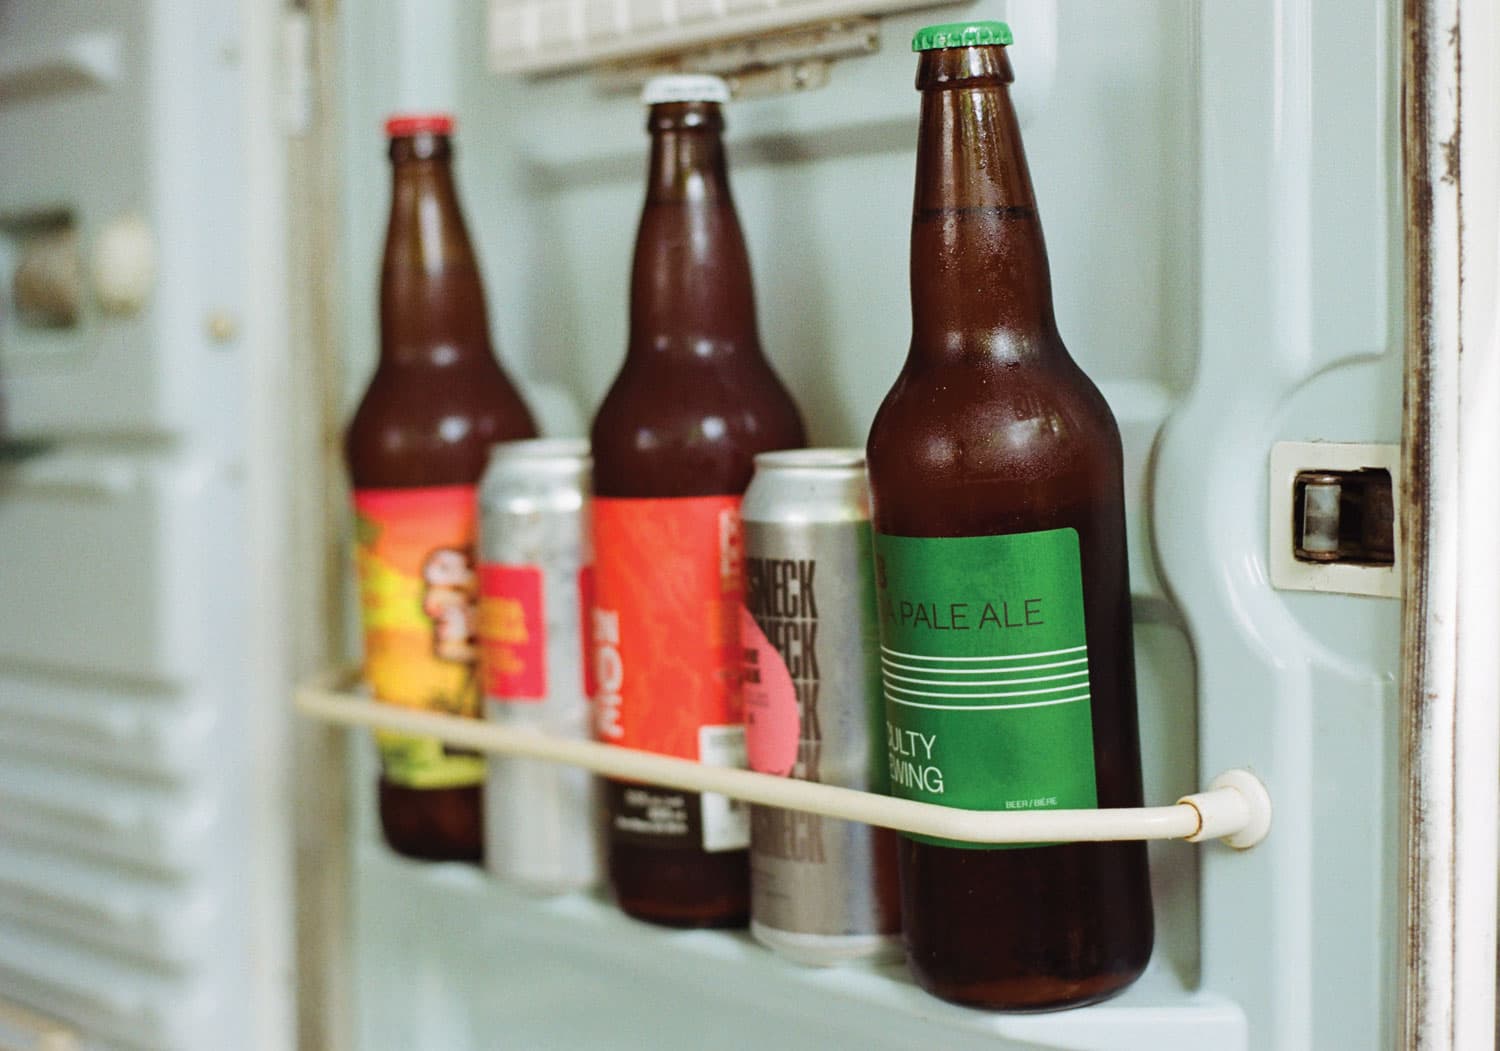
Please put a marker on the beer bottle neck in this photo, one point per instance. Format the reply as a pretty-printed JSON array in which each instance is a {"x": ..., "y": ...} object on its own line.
[
  {"x": 979, "y": 276},
  {"x": 690, "y": 286},
  {"x": 432, "y": 311}
]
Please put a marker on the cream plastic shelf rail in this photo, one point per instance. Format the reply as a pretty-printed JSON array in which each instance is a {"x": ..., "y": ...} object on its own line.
[{"x": 1235, "y": 807}]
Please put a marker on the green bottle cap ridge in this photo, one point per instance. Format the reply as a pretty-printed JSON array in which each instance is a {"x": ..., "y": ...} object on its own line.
[{"x": 961, "y": 34}]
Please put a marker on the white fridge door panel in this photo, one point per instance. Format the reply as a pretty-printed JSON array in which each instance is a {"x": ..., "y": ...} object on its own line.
[
  {"x": 104, "y": 569},
  {"x": 141, "y": 898},
  {"x": 1298, "y": 232},
  {"x": 103, "y": 137}
]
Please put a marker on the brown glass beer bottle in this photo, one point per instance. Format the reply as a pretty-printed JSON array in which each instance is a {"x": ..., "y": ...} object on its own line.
[
  {"x": 674, "y": 444},
  {"x": 416, "y": 449},
  {"x": 995, "y": 468}
]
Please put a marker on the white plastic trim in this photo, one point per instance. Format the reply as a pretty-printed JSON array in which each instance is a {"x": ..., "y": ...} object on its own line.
[{"x": 1235, "y": 807}]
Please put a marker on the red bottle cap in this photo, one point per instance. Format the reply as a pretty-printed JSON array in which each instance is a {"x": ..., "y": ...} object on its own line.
[{"x": 399, "y": 125}]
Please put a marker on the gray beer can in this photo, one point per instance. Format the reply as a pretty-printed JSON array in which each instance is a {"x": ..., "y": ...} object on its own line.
[
  {"x": 822, "y": 890},
  {"x": 535, "y": 588}
]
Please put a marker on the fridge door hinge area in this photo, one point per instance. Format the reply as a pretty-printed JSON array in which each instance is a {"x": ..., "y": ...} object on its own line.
[{"x": 1333, "y": 521}]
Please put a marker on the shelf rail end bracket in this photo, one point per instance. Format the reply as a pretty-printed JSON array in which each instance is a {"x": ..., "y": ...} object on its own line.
[{"x": 1236, "y": 808}]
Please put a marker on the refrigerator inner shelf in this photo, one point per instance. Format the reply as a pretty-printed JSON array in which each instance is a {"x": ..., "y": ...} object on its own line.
[{"x": 629, "y": 984}]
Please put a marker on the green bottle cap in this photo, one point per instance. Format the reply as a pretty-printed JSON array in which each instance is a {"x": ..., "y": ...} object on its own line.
[{"x": 961, "y": 34}]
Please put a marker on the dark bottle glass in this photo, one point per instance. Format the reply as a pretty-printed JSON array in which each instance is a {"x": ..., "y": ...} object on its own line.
[
  {"x": 674, "y": 444},
  {"x": 417, "y": 445},
  {"x": 993, "y": 434}
]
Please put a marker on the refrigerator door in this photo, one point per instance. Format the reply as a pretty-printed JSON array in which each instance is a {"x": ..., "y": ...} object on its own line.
[
  {"x": 1220, "y": 185},
  {"x": 142, "y": 897}
]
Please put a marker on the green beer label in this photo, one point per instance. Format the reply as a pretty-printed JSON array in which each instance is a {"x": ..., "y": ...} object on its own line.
[{"x": 986, "y": 672}]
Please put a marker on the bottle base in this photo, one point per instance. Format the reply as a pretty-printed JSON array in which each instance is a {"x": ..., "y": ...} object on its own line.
[
  {"x": 432, "y": 824},
  {"x": 827, "y": 950},
  {"x": 681, "y": 887},
  {"x": 421, "y": 850},
  {"x": 683, "y": 919},
  {"x": 1029, "y": 995}
]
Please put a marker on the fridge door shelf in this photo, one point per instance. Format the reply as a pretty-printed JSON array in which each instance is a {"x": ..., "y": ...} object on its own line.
[
  {"x": 1236, "y": 806},
  {"x": 629, "y": 984}
]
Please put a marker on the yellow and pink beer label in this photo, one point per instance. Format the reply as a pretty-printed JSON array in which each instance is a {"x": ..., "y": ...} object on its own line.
[{"x": 414, "y": 550}]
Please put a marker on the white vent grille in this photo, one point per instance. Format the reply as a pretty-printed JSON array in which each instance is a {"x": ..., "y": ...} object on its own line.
[{"x": 539, "y": 36}]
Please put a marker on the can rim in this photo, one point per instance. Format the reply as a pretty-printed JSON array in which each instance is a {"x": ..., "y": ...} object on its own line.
[
  {"x": 848, "y": 458},
  {"x": 569, "y": 450}
]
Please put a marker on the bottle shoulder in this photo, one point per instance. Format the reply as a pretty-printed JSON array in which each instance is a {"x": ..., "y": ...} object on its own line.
[
  {"x": 420, "y": 392},
  {"x": 432, "y": 427},
  {"x": 690, "y": 429},
  {"x": 1017, "y": 436}
]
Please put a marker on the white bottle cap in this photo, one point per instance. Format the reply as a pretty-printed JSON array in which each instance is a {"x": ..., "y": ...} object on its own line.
[{"x": 685, "y": 87}]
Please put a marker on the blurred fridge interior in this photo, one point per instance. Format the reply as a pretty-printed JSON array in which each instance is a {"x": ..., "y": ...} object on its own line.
[{"x": 204, "y": 190}]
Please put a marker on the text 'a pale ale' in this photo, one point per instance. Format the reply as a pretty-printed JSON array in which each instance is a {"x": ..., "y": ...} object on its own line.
[
  {"x": 996, "y": 476},
  {"x": 674, "y": 444},
  {"x": 416, "y": 449}
]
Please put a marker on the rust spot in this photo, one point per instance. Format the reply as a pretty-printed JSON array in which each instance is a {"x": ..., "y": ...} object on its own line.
[
  {"x": 1450, "y": 159},
  {"x": 1450, "y": 148}
]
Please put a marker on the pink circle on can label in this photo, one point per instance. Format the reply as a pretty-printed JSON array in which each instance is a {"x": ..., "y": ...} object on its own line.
[{"x": 772, "y": 725}]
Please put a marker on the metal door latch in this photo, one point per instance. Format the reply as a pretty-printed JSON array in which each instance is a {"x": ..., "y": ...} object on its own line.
[
  {"x": 1344, "y": 516},
  {"x": 1334, "y": 522}
]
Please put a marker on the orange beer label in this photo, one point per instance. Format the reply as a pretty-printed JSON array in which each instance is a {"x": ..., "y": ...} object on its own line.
[
  {"x": 414, "y": 550},
  {"x": 668, "y": 581},
  {"x": 668, "y": 584}
]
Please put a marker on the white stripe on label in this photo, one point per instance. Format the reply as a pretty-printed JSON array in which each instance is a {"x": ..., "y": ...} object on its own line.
[
  {"x": 989, "y": 682},
  {"x": 1013, "y": 657},
  {"x": 1017, "y": 693},
  {"x": 986, "y": 707},
  {"x": 887, "y": 662}
]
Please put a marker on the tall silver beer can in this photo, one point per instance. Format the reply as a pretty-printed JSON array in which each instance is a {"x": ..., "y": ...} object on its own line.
[
  {"x": 535, "y": 588},
  {"x": 821, "y": 890}
]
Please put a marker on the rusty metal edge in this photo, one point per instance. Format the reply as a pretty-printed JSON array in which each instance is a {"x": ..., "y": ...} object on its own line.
[{"x": 1435, "y": 1013}]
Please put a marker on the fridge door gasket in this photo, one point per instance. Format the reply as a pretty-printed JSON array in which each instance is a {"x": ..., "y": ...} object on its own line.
[{"x": 1451, "y": 439}]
